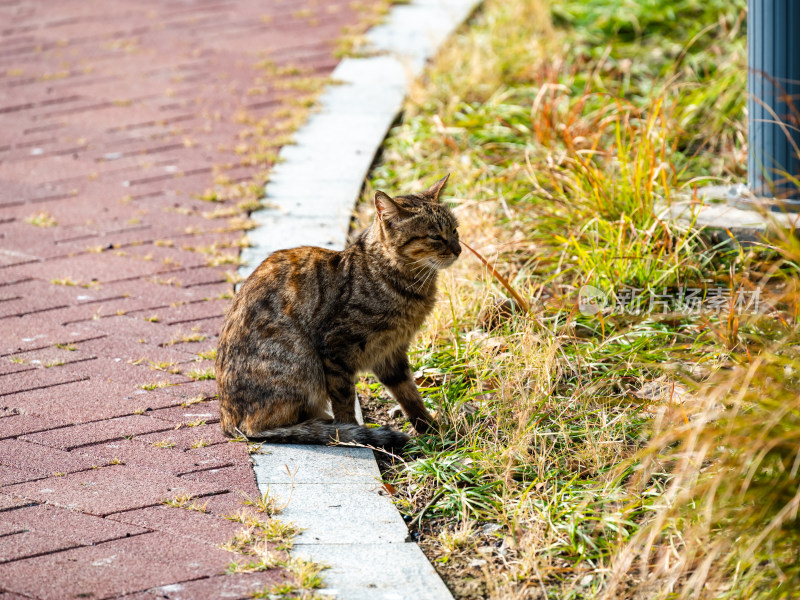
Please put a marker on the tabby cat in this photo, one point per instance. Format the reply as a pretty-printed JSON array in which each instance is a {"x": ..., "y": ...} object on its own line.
[{"x": 308, "y": 320}]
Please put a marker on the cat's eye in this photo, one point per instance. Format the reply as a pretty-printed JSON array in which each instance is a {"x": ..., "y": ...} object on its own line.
[{"x": 437, "y": 238}]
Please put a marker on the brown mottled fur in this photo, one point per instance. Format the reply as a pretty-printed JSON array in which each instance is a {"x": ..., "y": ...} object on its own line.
[{"x": 308, "y": 320}]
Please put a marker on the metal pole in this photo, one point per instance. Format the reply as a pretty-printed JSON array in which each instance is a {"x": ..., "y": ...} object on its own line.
[{"x": 773, "y": 53}]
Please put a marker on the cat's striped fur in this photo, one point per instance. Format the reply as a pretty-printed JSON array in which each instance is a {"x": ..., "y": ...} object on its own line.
[{"x": 308, "y": 320}]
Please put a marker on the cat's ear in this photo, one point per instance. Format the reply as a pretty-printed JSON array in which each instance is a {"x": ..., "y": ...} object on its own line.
[
  {"x": 436, "y": 189},
  {"x": 388, "y": 209}
]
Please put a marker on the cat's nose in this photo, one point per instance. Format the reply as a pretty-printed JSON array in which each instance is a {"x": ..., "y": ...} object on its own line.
[{"x": 455, "y": 247}]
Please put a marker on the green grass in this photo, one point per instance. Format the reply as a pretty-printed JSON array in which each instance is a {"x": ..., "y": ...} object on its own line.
[
  {"x": 207, "y": 355},
  {"x": 154, "y": 386},
  {"x": 262, "y": 545},
  {"x": 561, "y": 455},
  {"x": 201, "y": 374},
  {"x": 41, "y": 219}
]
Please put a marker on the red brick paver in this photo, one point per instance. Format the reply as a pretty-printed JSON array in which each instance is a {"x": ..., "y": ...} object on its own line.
[{"x": 129, "y": 135}]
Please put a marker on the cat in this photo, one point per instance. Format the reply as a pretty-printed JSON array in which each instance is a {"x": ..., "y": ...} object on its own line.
[{"x": 308, "y": 320}]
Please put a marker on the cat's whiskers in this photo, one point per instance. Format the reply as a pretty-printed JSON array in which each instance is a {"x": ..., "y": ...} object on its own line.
[
  {"x": 431, "y": 272},
  {"x": 418, "y": 282},
  {"x": 423, "y": 261},
  {"x": 423, "y": 268}
]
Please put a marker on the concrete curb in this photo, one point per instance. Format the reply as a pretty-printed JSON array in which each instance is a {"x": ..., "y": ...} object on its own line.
[
  {"x": 335, "y": 494},
  {"x": 724, "y": 211}
]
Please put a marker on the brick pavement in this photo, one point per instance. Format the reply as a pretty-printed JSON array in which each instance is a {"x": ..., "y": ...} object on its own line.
[{"x": 131, "y": 133}]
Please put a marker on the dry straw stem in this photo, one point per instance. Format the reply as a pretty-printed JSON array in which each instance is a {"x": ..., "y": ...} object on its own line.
[{"x": 520, "y": 300}]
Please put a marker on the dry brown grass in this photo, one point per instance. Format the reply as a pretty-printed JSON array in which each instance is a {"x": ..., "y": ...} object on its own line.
[{"x": 565, "y": 455}]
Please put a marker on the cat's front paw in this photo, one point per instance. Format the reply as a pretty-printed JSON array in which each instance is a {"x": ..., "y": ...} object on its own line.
[{"x": 424, "y": 424}]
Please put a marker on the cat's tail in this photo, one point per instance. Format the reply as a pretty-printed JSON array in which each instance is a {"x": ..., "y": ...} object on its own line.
[{"x": 318, "y": 431}]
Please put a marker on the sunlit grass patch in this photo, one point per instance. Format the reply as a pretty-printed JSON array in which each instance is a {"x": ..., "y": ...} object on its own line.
[
  {"x": 208, "y": 354},
  {"x": 193, "y": 400},
  {"x": 163, "y": 365},
  {"x": 265, "y": 503},
  {"x": 728, "y": 516},
  {"x": 201, "y": 374},
  {"x": 155, "y": 385},
  {"x": 188, "y": 338},
  {"x": 186, "y": 502},
  {"x": 263, "y": 544},
  {"x": 568, "y": 128},
  {"x": 69, "y": 282},
  {"x": 41, "y": 219}
]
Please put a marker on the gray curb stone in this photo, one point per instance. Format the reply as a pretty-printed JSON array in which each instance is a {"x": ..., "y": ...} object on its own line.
[
  {"x": 335, "y": 493},
  {"x": 377, "y": 572}
]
